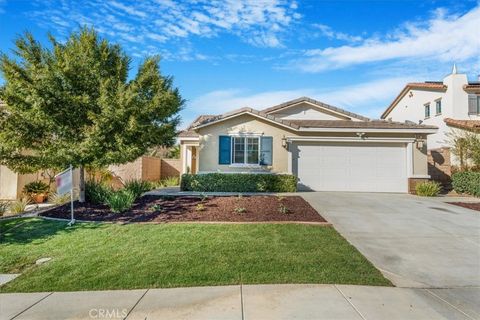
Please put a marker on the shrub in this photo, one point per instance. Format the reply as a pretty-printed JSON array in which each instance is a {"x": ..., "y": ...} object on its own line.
[
  {"x": 200, "y": 207},
  {"x": 238, "y": 182},
  {"x": 167, "y": 182},
  {"x": 137, "y": 187},
  {"x": 19, "y": 206},
  {"x": 120, "y": 201},
  {"x": 171, "y": 181},
  {"x": 467, "y": 182},
  {"x": 96, "y": 192},
  {"x": 3, "y": 207},
  {"x": 239, "y": 210},
  {"x": 283, "y": 209},
  {"x": 55, "y": 198},
  {"x": 35, "y": 187},
  {"x": 156, "y": 207},
  {"x": 428, "y": 189}
]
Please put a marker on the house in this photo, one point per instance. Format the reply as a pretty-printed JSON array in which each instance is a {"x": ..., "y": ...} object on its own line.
[
  {"x": 451, "y": 103},
  {"x": 327, "y": 148}
]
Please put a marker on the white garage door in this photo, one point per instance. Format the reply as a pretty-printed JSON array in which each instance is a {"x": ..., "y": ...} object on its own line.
[{"x": 370, "y": 167}]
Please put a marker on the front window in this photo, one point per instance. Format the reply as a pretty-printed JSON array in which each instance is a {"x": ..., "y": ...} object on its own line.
[
  {"x": 438, "y": 105},
  {"x": 473, "y": 104},
  {"x": 245, "y": 150},
  {"x": 427, "y": 111}
]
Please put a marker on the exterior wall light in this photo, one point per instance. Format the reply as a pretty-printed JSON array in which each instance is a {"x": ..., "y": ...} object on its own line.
[
  {"x": 420, "y": 143},
  {"x": 284, "y": 142},
  {"x": 361, "y": 135}
]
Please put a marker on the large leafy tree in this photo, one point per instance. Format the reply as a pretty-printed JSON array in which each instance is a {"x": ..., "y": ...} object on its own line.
[{"x": 72, "y": 103}]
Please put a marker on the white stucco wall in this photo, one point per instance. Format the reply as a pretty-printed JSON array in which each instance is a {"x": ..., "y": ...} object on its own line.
[{"x": 454, "y": 105}]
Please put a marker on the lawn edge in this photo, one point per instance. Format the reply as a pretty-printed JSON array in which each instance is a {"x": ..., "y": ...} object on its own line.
[{"x": 326, "y": 224}]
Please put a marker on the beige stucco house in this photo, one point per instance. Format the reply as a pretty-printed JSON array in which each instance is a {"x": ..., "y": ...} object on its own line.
[{"x": 327, "y": 148}]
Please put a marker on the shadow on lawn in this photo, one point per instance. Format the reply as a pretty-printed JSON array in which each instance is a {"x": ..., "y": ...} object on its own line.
[{"x": 23, "y": 231}]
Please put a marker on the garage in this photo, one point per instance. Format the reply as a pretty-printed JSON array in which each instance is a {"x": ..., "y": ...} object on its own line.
[{"x": 356, "y": 166}]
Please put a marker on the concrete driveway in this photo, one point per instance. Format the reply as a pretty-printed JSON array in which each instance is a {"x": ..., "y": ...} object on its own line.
[{"x": 414, "y": 241}]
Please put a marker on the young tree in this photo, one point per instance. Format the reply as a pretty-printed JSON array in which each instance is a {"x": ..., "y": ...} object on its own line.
[
  {"x": 465, "y": 145},
  {"x": 73, "y": 104}
]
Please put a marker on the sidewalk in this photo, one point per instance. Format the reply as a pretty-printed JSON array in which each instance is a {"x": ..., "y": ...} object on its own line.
[{"x": 248, "y": 302}]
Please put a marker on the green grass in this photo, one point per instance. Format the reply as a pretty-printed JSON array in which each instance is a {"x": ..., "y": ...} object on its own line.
[{"x": 91, "y": 256}]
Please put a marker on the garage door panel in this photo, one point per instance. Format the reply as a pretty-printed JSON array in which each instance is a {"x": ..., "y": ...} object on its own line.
[{"x": 352, "y": 167}]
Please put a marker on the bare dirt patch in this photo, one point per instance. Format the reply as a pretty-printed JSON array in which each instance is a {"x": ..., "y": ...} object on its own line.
[
  {"x": 183, "y": 208},
  {"x": 469, "y": 205}
]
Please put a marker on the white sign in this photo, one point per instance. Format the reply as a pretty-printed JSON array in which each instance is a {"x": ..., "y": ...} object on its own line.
[{"x": 64, "y": 182}]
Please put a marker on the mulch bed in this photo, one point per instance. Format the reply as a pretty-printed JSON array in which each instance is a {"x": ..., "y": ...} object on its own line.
[
  {"x": 469, "y": 205},
  {"x": 183, "y": 208}
]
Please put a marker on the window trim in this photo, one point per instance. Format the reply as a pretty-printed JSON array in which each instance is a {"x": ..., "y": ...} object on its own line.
[
  {"x": 427, "y": 107},
  {"x": 245, "y": 157}
]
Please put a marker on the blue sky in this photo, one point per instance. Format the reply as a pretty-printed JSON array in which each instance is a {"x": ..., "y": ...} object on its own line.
[{"x": 229, "y": 54}]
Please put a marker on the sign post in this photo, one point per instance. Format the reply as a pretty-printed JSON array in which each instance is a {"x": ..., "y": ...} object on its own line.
[{"x": 64, "y": 181}]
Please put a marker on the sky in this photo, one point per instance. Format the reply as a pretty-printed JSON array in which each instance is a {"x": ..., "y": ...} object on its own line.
[{"x": 229, "y": 54}]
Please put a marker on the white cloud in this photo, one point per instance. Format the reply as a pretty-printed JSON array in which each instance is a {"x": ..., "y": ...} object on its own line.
[
  {"x": 368, "y": 99},
  {"x": 328, "y": 32},
  {"x": 441, "y": 38},
  {"x": 128, "y": 9},
  {"x": 258, "y": 22}
]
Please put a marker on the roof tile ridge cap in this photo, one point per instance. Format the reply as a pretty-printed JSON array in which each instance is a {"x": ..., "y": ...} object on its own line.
[{"x": 338, "y": 109}]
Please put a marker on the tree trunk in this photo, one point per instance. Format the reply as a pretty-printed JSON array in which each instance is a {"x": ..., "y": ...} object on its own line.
[{"x": 81, "y": 195}]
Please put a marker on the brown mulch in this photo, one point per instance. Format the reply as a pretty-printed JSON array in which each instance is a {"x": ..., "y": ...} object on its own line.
[
  {"x": 183, "y": 208},
  {"x": 469, "y": 205}
]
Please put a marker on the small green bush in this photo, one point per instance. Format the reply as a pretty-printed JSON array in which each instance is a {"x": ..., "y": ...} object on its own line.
[
  {"x": 428, "y": 189},
  {"x": 238, "y": 182},
  {"x": 57, "y": 199},
  {"x": 35, "y": 187},
  {"x": 19, "y": 206},
  {"x": 467, "y": 182},
  {"x": 283, "y": 209},
  {"x": 167, "y": 182},
  {"x": 137, "y": 187},
  {"x": 4, "y": 207},
  {"x": 120, "y": 201},
  {"x": 200, "y": 207},
  {"x": 239, "y": 210},
  {"x": 96, "y": 192}
]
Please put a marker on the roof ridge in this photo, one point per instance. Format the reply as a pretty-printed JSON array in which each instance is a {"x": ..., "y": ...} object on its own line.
[{"x": 317, "y": 103}]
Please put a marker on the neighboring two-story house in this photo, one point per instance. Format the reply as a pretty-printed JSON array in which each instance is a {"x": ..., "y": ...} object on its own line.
[{"x": 451, "y": 104}]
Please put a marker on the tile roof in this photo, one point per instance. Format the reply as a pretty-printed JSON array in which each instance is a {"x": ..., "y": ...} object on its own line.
[
  {"x": 427, "y": 85},
  {"x": 432, "y": 85},
  {"x": 299, "y": 124},
  {"x": 314, "y": 102},
  {"x": 472, "y": 125},
  {"x": 472, "y": 87},
  {"x": 249, "y": 110},
  {"x": 320, "y": 124},
  {"x": 372, "y": 124},
  {"x": 189, "y": 132}
]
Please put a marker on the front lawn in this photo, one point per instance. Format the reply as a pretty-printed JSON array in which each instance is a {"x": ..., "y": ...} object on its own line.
[{"x": 92, "y": 256}]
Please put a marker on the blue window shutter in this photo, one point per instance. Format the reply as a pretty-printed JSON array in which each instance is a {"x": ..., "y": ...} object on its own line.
[
  {"x": 266, "y": 151},
  {"x": 224, "y": 150}
]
